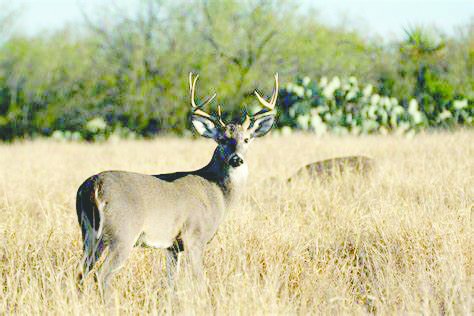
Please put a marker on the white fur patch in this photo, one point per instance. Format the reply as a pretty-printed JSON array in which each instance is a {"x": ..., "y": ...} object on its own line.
[
  {"x": 238, "y": 175},
  {"x": 100, "y": 207},
  {"x": 159, "y": 244}
]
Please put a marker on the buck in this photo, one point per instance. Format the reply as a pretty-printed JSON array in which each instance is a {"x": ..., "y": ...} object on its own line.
[{"x": 177, "y": 211}]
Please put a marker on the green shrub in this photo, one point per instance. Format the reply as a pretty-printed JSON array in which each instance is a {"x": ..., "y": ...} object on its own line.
[
  {"x": 131, "y": 73},
  {"x": 343, "y": 106}
]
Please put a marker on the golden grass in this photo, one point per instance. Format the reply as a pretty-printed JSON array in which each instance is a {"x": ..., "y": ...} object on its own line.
[{"x": 400, "y": 240}]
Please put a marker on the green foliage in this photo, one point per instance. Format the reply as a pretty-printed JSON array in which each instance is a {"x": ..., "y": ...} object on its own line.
[
  {"x": 429, "y": 71},
  {"x": 131, "y": 73},
  {"x": 344, "y": 106}
]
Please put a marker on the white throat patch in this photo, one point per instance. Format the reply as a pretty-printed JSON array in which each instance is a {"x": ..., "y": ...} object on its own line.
[{"x": 238, "y": 175}]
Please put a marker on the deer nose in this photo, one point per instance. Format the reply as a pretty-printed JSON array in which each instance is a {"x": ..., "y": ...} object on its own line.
[{"x": 235, "y": 161}]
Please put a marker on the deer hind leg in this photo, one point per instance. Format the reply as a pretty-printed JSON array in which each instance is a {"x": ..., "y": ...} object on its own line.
[
  {"x": 92, "y": 252},
  {"x": 116, "y": 257},
  {"x": 91, "y": 222},
  {"x": 93, "y": 248}
]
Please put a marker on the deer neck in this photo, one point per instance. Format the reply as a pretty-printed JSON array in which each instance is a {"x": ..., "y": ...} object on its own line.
[{"x": 231, "y": 180}]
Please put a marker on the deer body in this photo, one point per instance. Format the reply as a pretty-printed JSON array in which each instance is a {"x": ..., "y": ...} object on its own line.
[
  {"x": 334, "y": 166},
  {"x": 158, "y": 211},
  {"x": 177, "y": 211}
]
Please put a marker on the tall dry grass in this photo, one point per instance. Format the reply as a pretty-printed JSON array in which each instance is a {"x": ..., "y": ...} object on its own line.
[{"x": 400, "y": 240}]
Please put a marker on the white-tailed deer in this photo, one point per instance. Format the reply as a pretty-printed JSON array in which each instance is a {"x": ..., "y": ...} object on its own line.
[
  {"x": 335, "y": 166},
  {"x": 177, "y": 211}
]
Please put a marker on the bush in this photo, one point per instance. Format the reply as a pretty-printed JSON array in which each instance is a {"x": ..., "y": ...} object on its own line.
[
  {"x": 344, "y": 106},
  {"x": 131, "y": 72}
]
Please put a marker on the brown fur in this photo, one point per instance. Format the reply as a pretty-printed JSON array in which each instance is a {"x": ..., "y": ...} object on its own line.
[{"x": 335, "y": 166}]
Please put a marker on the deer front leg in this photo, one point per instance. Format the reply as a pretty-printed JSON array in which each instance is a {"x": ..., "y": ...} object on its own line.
[
  {"x": 195, "y": 258},
  {"x": 172, "y": 259},
  {"x": 195, "y": 247},
  {"x": 172, "y": 265}
]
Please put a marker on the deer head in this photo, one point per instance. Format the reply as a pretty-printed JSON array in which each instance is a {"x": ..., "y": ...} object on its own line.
[{"x": 232, "y": 138}]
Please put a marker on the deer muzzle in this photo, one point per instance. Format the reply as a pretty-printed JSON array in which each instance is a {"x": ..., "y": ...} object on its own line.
[{"x": 235, "y": 160}]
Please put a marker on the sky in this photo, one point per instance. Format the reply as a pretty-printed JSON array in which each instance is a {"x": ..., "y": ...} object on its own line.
[{"x": 386, "y": 18}]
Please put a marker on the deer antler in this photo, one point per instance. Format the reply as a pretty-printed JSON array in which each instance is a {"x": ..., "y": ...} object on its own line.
[
  {"x": 246, "y": 123},
  {"x": 269, "y": 105},
  {"x": 219, "y": 116},
  {"x": 197, "y": 109}
]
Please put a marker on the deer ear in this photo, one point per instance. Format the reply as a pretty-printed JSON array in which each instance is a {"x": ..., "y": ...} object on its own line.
[
  {"x": 205, "y": 127},
  {"x": 262, "y": 125}
]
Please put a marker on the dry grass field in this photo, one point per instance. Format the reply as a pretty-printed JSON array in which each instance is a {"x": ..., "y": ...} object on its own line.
[{"x": 398, "y": 241}]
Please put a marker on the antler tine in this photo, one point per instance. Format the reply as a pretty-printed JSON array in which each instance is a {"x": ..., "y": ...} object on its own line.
[
  {"x": 208, "y": 100},
  {"x": 201, "y": 113},
  {"x": 263, "y": 101},
  {"x": 197, "y": 108},
  {"x": 246, "y": 123},
  {"x": 270, "y": 105},
  {"x": 219, "y": 116},
  {"x": 192, "y": 88},
  {"x": 275, "y": 93},
  {"x": 190, "y": 78}
]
